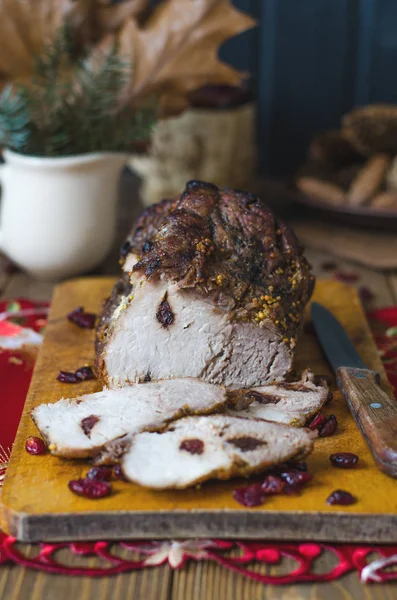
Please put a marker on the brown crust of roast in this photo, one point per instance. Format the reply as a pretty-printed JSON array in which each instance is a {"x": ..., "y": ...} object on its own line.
[
  {"x": 228, "y": 245},
  {"x": 122, "y": 288}
]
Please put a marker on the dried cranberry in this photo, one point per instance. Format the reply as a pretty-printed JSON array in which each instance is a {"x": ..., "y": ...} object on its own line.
[
  {"x": 67, "y": 377},
  {"x": 118, "y": 473},
  {"x": 88, "y": 423},
  {"x": 329, "y": 266},
  {"x": 100, "y": 473},
  {"x": 84, "y": 374},
  {"x": 82, "y": 319},
  {"x": 296, "y": 479},
  {"x": 315, "y": 422},
  {"x": 330, "y": 397},
  {"x": 341, "y": 497},
  {"x": 90, "y": 488},
  {"x": 344, "y": 460},
  {"x": 272, "y": 484},
  {"x": 329, "y": 427},
  {"x": 193, "y": 446},
  {"x": 252, "y": 495},
  {"x": 35, "y": 445}
]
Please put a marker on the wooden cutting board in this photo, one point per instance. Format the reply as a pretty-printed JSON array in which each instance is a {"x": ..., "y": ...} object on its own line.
[{"x": 37, "y": 505}]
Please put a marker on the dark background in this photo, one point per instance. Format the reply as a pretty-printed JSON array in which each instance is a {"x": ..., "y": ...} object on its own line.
[{"x": 313, "y": 60}]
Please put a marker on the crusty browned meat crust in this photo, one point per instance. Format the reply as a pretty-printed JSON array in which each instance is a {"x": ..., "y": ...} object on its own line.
[
  {"x": 121, "y": 289},
  {"x": 229, "y": 245}
]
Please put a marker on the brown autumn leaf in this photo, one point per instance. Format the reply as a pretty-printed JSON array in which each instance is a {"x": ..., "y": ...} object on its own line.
[
  {"x": 176, "y": 50},
  {"x": 25, "y": 26},
  {"x": 95, "y": 18}
]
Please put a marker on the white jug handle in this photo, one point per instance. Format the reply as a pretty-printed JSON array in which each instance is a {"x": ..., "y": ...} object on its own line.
[{"x": 3, "y": 168}]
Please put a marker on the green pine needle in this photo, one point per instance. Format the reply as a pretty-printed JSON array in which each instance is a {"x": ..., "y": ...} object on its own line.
[{"x": 71, "y": 108}]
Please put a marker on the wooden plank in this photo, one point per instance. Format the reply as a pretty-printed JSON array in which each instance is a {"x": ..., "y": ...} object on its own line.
[
  {"x": 43, "y": 508},
  {"x": 210, "y": 581},
  {"x": 20, "y": 583}
]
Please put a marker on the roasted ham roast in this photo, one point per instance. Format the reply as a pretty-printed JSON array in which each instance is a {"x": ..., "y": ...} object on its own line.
[
  {"x": 214, "y": 287},
  {"x": 195, "y": 449}
]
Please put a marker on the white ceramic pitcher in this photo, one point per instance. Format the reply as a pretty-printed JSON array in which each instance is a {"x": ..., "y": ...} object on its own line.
[{"x": 58, "y": 215}]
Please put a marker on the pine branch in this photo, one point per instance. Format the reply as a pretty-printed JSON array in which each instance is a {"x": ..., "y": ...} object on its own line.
[{"x": 69, "y": 107}]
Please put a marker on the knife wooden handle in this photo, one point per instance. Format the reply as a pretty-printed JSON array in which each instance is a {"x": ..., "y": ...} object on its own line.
[{"x": 375, "y": 413}]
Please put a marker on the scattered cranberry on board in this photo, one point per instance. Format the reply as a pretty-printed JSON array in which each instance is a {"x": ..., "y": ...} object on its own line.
[
  {"x": 329, "y": 427},
  {"x": 341, "y": 497},
  {"x": 90, "y": 488},
  {"x": 344, "y": 460},
  {"x": 100, "y": 473},
  {"x": 35, "y": 445},
  {"x": 82, "y": 319}
]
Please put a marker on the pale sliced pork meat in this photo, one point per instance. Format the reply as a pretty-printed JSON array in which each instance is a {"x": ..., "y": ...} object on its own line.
[
  {"x": 292, "y": 403},
  {"x": 81, "y": 427},
  {"x": 215, "y": 287},
  {"x": 195, "y": 449}
]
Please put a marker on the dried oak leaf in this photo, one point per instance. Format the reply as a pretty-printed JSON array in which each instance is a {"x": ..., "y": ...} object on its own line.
[
  {"x": 95, "y": 18},
  {"x": 176, "y": 50},
  {"x": 372, "y": 129},
  {"x": 25, "y": 27}
]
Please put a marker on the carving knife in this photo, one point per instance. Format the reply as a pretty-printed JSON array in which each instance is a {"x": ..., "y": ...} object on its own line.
[{"x": 374, "y": 411}]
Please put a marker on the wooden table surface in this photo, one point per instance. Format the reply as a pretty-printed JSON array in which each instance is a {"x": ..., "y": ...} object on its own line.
[{"x": 197, "y": 580}]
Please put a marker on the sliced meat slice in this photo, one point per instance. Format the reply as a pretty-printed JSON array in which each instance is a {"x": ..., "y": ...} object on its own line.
[
  {"x": 290, "y": 403},
  {"x": 195, "y": 449},
  {"x": 81, "y": 427}
]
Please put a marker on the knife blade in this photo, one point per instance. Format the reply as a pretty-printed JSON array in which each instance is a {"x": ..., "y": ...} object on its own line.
[{"x": 374, "y": 411}]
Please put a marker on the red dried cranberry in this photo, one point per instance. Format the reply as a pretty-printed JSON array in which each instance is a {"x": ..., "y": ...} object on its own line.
[
  {"x": 252, "y": 495},
  {"x": 35, "y": 445},
  {"x": 341, "y": 497},
  {"x": 344, "y": 460},
  {"x": 272, "y": 484},
  {"x": 84, "y": 374},
  {"x": 90, "y": 488},
  {"x": 315, "y": 422},
  {"x": 296, "y": 479},
  {"x": 100, "y": 473},
  {"x": 330, "y": 397},
  {"x": 118, "y": 473},
  {"x": 82, "y": 319},
  {"x": 329, "y": 427},
  {"x": 193, "y": 446},
  {"x": 67, "y": 377}
]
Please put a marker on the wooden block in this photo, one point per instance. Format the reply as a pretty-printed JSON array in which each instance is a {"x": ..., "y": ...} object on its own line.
[{"x": 37, "y": 505}]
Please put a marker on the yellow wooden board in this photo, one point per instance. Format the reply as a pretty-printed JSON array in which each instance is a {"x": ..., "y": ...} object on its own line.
[{"x": 37, "y": 505}]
